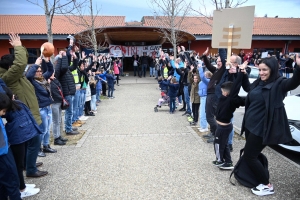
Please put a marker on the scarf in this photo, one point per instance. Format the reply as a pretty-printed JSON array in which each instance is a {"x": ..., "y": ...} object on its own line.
[{"x": 44, "y": 83}]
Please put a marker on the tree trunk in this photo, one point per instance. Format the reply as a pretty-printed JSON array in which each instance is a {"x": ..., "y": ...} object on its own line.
[{"x": 49, "y": 28}]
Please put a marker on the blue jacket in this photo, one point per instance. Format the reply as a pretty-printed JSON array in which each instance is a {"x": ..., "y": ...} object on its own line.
[
  {"x": 202, "y": 91},
  {"x": 163, "y": 84},
  {"x": 177, "y": 76},
  {"x": 43, "y": 96},
  {"x": 99, "y": 84},
  {"x": 21, "y": 126},
  {"x": 1, "y": 85},
  {"x": 110, "y": 79},
  {"x": 173, "y": 88},
  {"x": 3, "y": 139},
  {"x": 103, "y": 76}
]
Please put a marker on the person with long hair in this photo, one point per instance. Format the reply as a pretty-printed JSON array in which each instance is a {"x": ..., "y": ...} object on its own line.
[
  {"x": 265, "y": 121},
  {"x": 39, "y": 80}
]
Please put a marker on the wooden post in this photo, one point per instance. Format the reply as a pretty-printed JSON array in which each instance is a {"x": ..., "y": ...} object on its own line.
[{"x": 230, "y": 33}]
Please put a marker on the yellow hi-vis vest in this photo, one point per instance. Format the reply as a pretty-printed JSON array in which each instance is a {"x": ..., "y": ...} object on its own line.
[{"x": 166, "y": 72}]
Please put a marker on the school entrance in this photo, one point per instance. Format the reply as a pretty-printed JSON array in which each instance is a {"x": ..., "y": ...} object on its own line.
[{"x": 128, "y": 40}]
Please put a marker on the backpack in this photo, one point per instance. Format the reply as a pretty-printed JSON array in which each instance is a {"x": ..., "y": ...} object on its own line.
[{"x": 244, "y": 175}]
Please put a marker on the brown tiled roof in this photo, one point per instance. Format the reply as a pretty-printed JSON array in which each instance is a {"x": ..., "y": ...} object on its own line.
[
  {"x": 261, "y": 26},
  {"x": 36, "y": 24}
]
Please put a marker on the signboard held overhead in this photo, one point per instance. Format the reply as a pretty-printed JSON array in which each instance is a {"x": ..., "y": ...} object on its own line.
[{"x": 232, "y": 27}]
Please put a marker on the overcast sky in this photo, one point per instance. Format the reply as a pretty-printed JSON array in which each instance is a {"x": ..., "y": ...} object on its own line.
[{"x": 136, "y": 9}]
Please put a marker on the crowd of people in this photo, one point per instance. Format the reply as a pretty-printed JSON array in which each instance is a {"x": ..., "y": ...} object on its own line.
[
  {"x": 32, "y": 98},
  {"x": 197, "y": 82}
]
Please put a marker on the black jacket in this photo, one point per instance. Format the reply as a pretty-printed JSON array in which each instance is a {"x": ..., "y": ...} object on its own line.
[
  {"x": 57, "y": 98},
  {"x": 276, "y": 126},
  {"x": 64, "y": 75}
]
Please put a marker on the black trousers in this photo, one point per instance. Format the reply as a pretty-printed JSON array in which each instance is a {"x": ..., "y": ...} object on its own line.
[
  {"x": 210, "y": 109},
  {"x": 118, "y": 78},
  {"x": 195, "y": 110},
  {"x": 87, "y": 107},
  {"x": 9, "y": 179},
  {"x": 252, "y": 149},
  {"x": 221, "y": 143},
  {"x": 18, "y": 151},
  {"x": 103, "y": 89}
]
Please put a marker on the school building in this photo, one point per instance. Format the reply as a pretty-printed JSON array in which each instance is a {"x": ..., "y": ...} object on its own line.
[{"x": 269, "y": 34}]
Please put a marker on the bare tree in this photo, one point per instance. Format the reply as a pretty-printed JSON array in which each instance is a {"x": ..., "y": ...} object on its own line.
[
  {"x": 170, "y": 15},
  {"x": 51, "y": 8},
  {"x": 206, "y": 17},
  {"x": 90, "y": 24}
]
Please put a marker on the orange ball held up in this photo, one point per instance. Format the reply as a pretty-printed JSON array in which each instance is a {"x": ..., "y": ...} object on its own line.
[{"x": 47, "y": 49}]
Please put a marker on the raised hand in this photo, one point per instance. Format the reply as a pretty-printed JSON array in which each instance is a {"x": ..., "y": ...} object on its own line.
[
  {"x": 38, "y": 61},
  {"x": 83, "y": 55},
  {"x": 297, "y": 59},
  {"x": 14, "y": 40},
  {"x": 71, "y": 42},
  {"x": 76, "y": 48},
  {"x": 206, "y": 51}
]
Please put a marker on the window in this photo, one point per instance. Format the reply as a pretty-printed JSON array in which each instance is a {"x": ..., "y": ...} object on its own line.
[{"x": 33, "y": 54}]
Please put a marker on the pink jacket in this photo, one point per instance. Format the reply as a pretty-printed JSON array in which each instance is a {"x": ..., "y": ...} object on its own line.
[{"x": 116, "y": 69}]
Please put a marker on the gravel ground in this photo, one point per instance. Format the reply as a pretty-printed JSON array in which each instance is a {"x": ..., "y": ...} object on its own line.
[{"x": 131, "y": 152}]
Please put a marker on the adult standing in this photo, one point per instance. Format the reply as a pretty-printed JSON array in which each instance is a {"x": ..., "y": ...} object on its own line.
[
  {"x": 144, "y": 62},
  {"x": 265, "y": 121},
  {"x": 39, "y": 80},
  {"x": 66, "y": 79},
  {"x": 135, "y": 63},
  {"x": 12, "y": 68},
  {"x": 211, "y": 98}
]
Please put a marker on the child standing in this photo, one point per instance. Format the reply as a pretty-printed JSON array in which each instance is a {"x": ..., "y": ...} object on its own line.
[
  {"x": 205, "y": 78},
  {"x": 172, "y": 92},
  {"x": 195, "y": 98},
  {"x": 228, "y": 103},
  {"x": 110, "y": 83}
]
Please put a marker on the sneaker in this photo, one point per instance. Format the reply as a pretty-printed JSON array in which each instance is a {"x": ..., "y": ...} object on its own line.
[
  {"x": 41, "y": 153},
  {"x": 211, "y": 140},
  {"x": 180, "y": 104},
  {"x": 82, "y": 118},
  {"x": 30, "y": 185},
  {"x": 262, "y": 190},
  {"x": 193, "y": 123},
  {"x": 29, "y": 191},
  {"x": 209, "y": 135},
  {"x": 226, "y": 166},
  {"x": 190, "y": 119},
  {"x": 182, "y": 109},
  {"x": 203, "y": 130},
  {"x": 217, "y": 163}
]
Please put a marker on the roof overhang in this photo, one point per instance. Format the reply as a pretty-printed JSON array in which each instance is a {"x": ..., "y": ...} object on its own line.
[
  {"x": 134, "y": 34},
  {"x": 258, "y": 37}
]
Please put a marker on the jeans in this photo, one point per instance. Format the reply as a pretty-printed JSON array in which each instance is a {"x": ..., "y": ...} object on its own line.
[
  {"x": 76, "y": 106},
  {"x": 110, "y": 90},
  {"x": 46, "y": 116},
  {"x": 180, "y": 99},
  {"x": 98, "y": 93},
  {"x": 56, "y": 119},
  {"x": 252, "y": 149},
  {"x": 187, "y": 99},
  {"x": 210, "y": 109},
  {"x": 93, "y": 103},
  {"x": 172, "y": 104},
  {"x": 135, "y": 70},
  {"x": 81, "y": 102},
  {"x": 144, "y": 69},
  {"x": 203, "y": 122},
  {"x": 9, "y": 179},
  {"x": 69, "y": 113},
  {"x": 152, "y": 71},
  {"x": 33, "y": 147}
]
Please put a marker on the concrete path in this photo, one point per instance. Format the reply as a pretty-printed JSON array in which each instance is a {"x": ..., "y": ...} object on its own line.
[{"x": 131, "y": 152}]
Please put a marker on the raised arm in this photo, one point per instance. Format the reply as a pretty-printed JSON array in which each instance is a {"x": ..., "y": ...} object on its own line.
[
  {"x": 15, "y": 72},
  {"x": 202, "y": 76},
  {"x": 294, "y": 82},
  {"x": 211, "y": 68}
]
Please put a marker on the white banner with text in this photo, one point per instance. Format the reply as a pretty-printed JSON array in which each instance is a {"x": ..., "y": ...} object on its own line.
[{"x": 128, "y": 51}]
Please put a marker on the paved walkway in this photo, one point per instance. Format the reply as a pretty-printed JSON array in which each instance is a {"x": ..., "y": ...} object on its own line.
[{"x": 131, "y": 152}]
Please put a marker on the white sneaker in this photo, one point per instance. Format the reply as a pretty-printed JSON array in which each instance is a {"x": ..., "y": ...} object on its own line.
[
  {"x": 262, "y": 190},
  {"x": 203, "y": 130},
  {"x": 29, "y": 192},
  {"x": 30, "y": 185}
]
